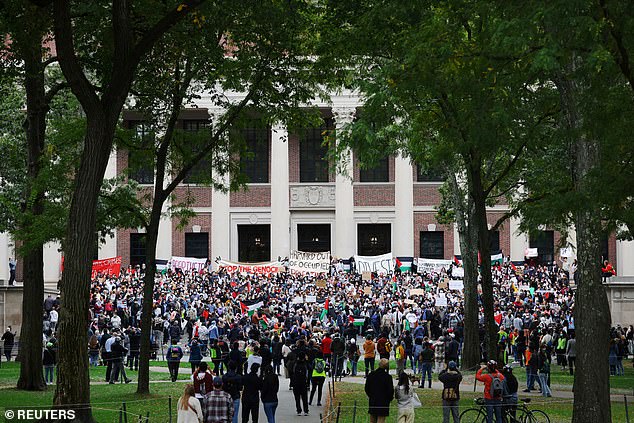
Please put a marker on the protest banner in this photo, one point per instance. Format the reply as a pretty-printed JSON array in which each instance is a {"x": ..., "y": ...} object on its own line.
[
  {"x": 456, "y": 285},
  {"x": 378, "y": 264},
  {"x": 408, "y": 301},
  {"x": 297, "y": 300},
  {"x": 531, "y": 252},
  {"x": 257, "y": 268},
  {"x": 307, "y": 262},
  {"x": 416, "y": 291},
  {"x": 367, "y": 290},
  {"x": 432, "y": 265},
  {"x": 109, "y": 266},
  {"x": 310, "y": 299},
  {"x": 187, "y": 264}
]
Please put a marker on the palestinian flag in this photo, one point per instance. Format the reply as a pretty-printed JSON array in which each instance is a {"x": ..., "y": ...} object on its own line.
[
  {"x": 250, "y": 307},
  {"x": 357, "y": 320},
  {"x": 264, "y": 321},
  {"x": 457, "y": 260},
  {"x": 161, "y": 266},
  {"x": 404, "y": 263},
  {"x": 325, "y": 310},
  {"x": 513, "y": 267},
  {"x": 496, "y": 258},
  {"x": 346, "y": 265},
  {"x": 498, "y": 318}
]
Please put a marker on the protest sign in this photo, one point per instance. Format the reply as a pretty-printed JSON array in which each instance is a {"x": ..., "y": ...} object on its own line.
[
  {"x": 378, "y": 264},
  {"x": 258, "y": 268},
  {"x": 109, "y": 266},
  {"x": 367, "y": 290},
  {"x": 457, "y": 272},
  {"x": 443, "y": 284},
  {"x": 416, "y": 291},
  {"x": 366, "y": 276},
  {"x": 432, "y": 265},
  {"x": 320, "y": 283},
  {"x": 441, "y": 301},
  {"x": 531, "y": 252},
  {"x": 187, "y": 264},
  {"x": 307, "y": 262},
  {"x": 310, "y": 299},
  {"x": 408, "y": 301},
  {"x": 456, "y": 285}
]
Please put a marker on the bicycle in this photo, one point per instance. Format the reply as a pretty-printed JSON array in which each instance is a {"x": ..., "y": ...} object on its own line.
[{"x": 523, "y": 414}]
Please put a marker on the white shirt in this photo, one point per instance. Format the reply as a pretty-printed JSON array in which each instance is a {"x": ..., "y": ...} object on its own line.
[
  {"x": 54, "y": 316},
  {"x": 194, "y": 414}
]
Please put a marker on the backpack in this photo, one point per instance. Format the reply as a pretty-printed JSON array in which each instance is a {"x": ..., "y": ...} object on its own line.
[
  {"x": 320, "y": 366},
  {"x": 388, "y": 346},
  {"x": 175, "y": 353},
  {"x": 497, "y": 387}
]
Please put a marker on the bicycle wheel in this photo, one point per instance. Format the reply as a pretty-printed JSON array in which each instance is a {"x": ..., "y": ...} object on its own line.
[
  {"x": 535, "y": 416},
  {"x": 473, "y": 415}
]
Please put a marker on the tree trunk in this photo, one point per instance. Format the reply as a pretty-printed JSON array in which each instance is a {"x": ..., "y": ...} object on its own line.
[
  {"x": 143, "y": 386},
  {"x": 463, "y": 208},
  {"x": 31, "y": 377},
  {"x": 73, "y": 384},
  {"x": 476, "y": 191},
  {"x": 592, "y": 312}
]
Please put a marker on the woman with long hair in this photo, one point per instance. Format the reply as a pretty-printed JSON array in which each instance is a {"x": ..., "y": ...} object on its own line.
[
  {"x": 270, "y": 388},
  {"x": 93, "y": 351},
  {"x": 189, "y": 410},
  {"x": 405, "y": 398}
]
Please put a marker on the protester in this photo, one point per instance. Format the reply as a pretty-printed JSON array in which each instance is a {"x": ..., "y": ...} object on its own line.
[
  {"x": 369, "y": 352},
  {"x": 270, "y": 388},
  {"x": 450, "y": 379},
  {"x": 203, "y": 380},
  {"x": 251, "y": 394},
  {"x": 427, "y": 358},
  {"x": 510, "y": 390},
  {"x": 174, "y": 355},
  {"x": 544, "y": 371},
  {"x": 380, "y": 392},
  {"x": 493, "y": 390},
  {"x": 9, "y": 338},
  {"x": 232, "y": 384},
  {"x": 49, "y": 360},
  {"x": 405, "y": 399},
  {"x": 195, "y": 354},
  {"x": 12, "y": 267},
  {"x": 218, "y": 404},
  {"x": 118, "y": 352},
  {"x": 299, "y": 381},
  {"x": 189, "y": 410}
]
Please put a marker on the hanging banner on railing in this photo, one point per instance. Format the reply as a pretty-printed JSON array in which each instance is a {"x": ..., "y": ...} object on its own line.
[
  {"x": 258, "y": 268},
  {"x": 109, "y": 266},
  {"x": 378, "y": 264},
  {"x": 301, "y": 261},
  {"x": 187, "y": 264}
]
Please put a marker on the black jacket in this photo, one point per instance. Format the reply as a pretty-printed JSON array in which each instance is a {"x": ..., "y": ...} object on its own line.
[
  {"x": 380, "y": 392},
  {"x": 252, "y": 386},
  {"x": 118, "y": 351},
  {"x": 270, "y": 387},
  {"x": 232, "y": 384},
  {"x": 451, "y": 379},
  {"x": 49, "y": 358}
]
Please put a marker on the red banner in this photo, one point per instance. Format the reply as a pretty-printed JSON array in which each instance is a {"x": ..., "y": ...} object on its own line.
[{"x": 109, "y": 266}]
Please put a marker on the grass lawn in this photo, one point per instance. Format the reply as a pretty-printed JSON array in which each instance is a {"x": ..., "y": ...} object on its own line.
[{"x": 559, "y": 410}]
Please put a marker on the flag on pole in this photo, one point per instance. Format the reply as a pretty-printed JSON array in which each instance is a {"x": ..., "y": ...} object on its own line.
[
  {"x": 496, "y": 258},
  {"x": 498, "y": 318},
  {"x": 249, "y": 309},
  {"x": 457, "y": 260},
  {"x": 325, "y": 310}
]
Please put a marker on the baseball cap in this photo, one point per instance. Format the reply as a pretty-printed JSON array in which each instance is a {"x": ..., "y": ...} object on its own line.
[
  {"x": 217, "y": 381},
  {"x": 452, "y": 365}
]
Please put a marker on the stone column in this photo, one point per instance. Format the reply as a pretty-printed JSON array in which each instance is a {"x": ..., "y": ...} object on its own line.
[
  {"x": 280, "y": 213},
  {"x": 5, "y": 254},
  {"x": 109, "y": 247},
  {"x": 403, "y": 241},
  {"x": 220, "y": 215},
  {"x": 519, "y": 240},
  {"x": 345, "y": 231}
]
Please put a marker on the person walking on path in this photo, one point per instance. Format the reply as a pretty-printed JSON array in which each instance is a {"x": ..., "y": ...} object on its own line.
[
  {"x": 404, "y": 395},
  {"x": 493, "y": 390},
  {"x": 450, "y": 379},
  {"x": 174, "y": 355},
  {"x": 571, "y": 353},
  {"x": 195, "y": 354},
  {"x": 49, "y": 360},
  {"x": 427, "y": 357},
  {"x": 251, "y": 394},
  {"x": 544, "y": 371},
  {"x": 189, "y": 410},
  {"x": 401, "y": 358},
  {"x": 218, "y": 404},
  {"x": 318, "y": 378},
  {"x": 232, "y": 384},
  {"x": 369, "y": 353},
  {"x": 299, "y": 381},
  {"x": 9, "y": 338},
  {"x": 270, "y": 388},
  {"x": 380, "y": 392},
  {"x": 203, "y": 381},
  {"x": 439, "y": 355}
]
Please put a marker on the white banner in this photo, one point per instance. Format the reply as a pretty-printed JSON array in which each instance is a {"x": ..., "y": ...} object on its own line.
[
  {"x": 566, "y": 252},
  {"x": 187, "y": 264},
  {"x": 531, "y": 252},
  {"x": 432, "y": 265},
  {"x": 259, "y": 268},
  {"x": 310, "y": 299},
  {"x": 379, "y": 264},
  {"x": 300, "y": 261},
  {"x": 441, "y": 301},
  {"x": 457, "y": 272},
  {"x": 456, "y": 285}
]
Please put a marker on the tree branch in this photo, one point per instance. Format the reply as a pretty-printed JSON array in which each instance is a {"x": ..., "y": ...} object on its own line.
[
  {"x": 507, "y": 169},
  {"x": 50, "y": 94},
  {"x": 49, "y": 61},
  {"x": 77, "y": 80},
  {"x": 621, "y": 55}
]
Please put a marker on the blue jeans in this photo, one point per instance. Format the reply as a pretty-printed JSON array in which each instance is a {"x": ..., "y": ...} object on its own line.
[
  {"x": 426, "y": 371},
  {"x": 353, "y": 364},
  {"x": 236, "y": 409},
  {"x": 543, "y": 379},
  {"x": 494, "y": 406},
  {"x": 49, "y": 371},
  {"x": 269, "y": 410}
]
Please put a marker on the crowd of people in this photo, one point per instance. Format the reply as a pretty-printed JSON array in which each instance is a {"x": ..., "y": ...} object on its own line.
[{"x": 308, "y": 326}]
